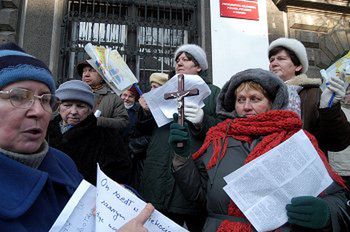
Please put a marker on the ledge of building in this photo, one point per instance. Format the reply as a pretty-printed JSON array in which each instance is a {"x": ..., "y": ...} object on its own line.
[{"x": 333, "y": 6}]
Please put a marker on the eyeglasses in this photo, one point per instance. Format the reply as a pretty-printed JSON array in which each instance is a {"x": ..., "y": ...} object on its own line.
[{"x": 24, "y": 99}]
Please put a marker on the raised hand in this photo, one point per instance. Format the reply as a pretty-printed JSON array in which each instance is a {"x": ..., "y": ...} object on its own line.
[{"x": 179, "y": 134}]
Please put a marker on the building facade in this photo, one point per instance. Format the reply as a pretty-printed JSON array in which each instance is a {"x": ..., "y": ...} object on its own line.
[{"x": 146, "y": 32}]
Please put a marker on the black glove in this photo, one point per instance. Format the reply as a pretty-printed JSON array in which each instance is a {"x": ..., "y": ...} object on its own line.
[{"x": 179, "y": 134}]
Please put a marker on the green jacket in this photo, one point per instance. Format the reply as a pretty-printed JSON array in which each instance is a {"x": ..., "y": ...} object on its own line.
[
  {"x": 158, "y": 185},
  {"x": 113, "y": 112}
]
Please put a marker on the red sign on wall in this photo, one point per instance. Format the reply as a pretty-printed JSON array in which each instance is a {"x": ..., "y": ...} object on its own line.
[{"x": 243, "y": 9}]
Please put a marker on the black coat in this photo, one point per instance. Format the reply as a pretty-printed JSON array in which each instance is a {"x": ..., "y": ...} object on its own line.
[{"x": 88, "y": 144}]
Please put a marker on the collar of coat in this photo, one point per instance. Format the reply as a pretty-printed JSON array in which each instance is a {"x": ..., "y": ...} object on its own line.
[
  {"x": 303, "y": 80},
  {"x": 21, "y": 185},
  {"x": 103, "y": 91}
]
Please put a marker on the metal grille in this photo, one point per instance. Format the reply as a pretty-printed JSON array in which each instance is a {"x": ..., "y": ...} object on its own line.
[{"x": 145, "y": 32}]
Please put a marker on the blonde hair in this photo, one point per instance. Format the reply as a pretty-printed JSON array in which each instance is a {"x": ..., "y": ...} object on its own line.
[{"x": 253, "y": 86}]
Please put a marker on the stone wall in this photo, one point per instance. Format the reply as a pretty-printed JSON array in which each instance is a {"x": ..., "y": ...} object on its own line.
[
  {"x": 322, "y": 26},
  {"x": 9, "y": 20}
]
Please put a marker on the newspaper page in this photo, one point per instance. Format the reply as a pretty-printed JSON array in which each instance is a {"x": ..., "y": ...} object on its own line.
[
  {"x": 262, "y": 188},
  {"x": 163, "y": 110},
  {"x": 111, "y": 66},
  {"x": 341, "y": 65}
]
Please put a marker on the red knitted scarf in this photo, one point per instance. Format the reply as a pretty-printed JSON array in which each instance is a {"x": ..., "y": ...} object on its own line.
[{"x": 275, "y": 126}]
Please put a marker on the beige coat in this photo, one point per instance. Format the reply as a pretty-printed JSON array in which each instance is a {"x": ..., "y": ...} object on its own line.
[{"x": 340, "y": 161}]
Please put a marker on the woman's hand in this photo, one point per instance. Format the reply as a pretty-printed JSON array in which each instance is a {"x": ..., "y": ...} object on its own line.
[
  {"x": 308, "y": 211},
  {"x": 143, "y": 103},
  {"x": 136, "y": 224}
]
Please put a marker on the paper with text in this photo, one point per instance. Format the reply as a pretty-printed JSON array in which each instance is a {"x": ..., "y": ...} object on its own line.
[
  {"x": 115, "y": 205},
  {"x": 262, "y": 188},
  {"x": 336, "y": 69},
  {"x": 163, "y": 110},
  {"x": 77, "y": 215}
]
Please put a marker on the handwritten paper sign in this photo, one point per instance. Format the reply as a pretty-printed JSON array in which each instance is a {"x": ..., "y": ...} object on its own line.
[
  {"x": 77, "y": 215},
  {"x": 116, "y": 205}
]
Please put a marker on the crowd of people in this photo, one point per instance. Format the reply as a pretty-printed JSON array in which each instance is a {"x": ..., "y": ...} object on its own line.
[{"x": 51, "y": 138}]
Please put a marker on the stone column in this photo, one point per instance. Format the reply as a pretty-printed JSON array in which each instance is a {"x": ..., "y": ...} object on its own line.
[
  {"x": 42, "y": 31},
  {"x": 9, "y": 14}
]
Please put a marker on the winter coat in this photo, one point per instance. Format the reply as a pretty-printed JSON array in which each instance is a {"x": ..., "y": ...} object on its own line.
[
  {"x": 31, "y": 199},
  {"x": 208, "y": 190},
  {"x": 158, "y": 186},
  {"x": 329, "y": 125},
  {"x": 340, "y": 161},
  {"x": 205, "y": 186},
  {"x": 88, "y": 144},
  {"x": 113, "y": 112},
  {"x": 137, "y": 142}
]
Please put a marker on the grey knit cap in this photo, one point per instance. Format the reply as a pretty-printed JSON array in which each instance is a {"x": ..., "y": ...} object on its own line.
[
  {"x": 196, "y": 51},
  {"x": 273, "y": 85},
  {"x": 76, "y": 90}
]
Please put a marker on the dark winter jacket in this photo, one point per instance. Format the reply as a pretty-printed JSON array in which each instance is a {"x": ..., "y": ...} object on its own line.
[
  {"x": 329, "y": 125},
  {"x": 88, "y": 144},
  {"x": 158, "y": 186},
  {"x": 208, "y": 190},
  {"x": 31, "y": 199},
  {"x": 205, "y": 187},
  {"x": 137, "y": 142}
]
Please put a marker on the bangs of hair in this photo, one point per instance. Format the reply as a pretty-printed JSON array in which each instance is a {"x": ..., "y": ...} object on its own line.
[
  {"x": 189, "y": 57},
  {"x": 251, "y": 85},
  {"x": 290, "y": 53}
]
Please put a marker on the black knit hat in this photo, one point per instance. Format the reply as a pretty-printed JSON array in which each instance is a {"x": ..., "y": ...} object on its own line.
[
  {"x": 81, "y": 66},
  {"x": 16, "y": 65},
  {"x": 273, "y": 85}
]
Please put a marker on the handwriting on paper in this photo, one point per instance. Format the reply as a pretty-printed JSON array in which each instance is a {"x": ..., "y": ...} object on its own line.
[{"x": 116, "y": 205}]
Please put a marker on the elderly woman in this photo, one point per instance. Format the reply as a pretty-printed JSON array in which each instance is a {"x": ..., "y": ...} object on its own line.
[
  {"x": 252, "y": 101},
  {"x": 321, "y": 116},
  {"x": 158, "y": 186},
  {"x": 75, "y": 132},
  {"x": 36, "y": 180}
]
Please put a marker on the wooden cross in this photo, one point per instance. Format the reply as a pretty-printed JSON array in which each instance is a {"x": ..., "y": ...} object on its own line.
[{"x": 180, "y": 96}]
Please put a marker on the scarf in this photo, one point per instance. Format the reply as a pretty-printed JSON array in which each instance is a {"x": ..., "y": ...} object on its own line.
[
  {"x": 31, "y": 160},
  {"x": 294, "y": 98},
  {"x": 275, "y": 127},
  {"x": 97, "y": 87}
]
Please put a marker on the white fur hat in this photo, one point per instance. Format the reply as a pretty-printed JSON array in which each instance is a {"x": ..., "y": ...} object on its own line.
[
  {"x": 296, "y": 46},
  {"x": 197, "y": 53}
]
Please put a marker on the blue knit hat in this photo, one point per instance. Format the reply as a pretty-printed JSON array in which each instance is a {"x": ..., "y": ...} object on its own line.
[
  {"x": 16, "y": 65},
  {"x": 76, "y": 90}
]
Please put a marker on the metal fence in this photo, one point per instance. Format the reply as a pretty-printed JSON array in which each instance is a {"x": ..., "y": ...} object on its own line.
[{"x": 145, "y": 32}]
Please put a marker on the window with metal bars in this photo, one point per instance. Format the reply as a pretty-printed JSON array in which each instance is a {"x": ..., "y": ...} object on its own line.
[{"x": 145, "y": 32}]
